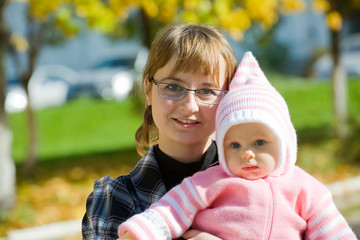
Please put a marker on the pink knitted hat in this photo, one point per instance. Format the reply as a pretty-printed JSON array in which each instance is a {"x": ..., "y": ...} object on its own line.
[{"x": 252, "y": 98}]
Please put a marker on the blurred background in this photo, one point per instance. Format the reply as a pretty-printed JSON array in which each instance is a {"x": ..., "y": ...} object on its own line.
[{"x": 71, "y": 101}]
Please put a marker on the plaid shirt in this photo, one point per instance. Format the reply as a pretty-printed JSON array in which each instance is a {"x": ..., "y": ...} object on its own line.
[{"x": 115, "y": 200}]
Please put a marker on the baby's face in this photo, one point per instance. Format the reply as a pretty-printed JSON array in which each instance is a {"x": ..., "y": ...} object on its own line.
[{"x": 251, "y": 150}]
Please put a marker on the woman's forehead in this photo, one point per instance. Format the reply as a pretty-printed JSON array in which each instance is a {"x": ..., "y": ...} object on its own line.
[{"x": 211, "y": 69}]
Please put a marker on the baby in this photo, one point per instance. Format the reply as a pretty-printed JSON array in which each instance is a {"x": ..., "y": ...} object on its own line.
[{"x": 256, "y": 192}]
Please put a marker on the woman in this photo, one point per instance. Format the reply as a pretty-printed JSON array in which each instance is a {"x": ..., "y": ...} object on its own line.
[{"x": 187, "y": 73}]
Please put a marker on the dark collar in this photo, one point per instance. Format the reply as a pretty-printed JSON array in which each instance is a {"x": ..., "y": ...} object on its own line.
[
  {"x": 149, "y": 180},
  {"x": 173, "y": 171}
]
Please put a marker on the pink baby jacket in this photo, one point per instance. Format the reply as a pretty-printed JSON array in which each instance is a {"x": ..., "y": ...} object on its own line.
[{"x": 292, "y": 206}]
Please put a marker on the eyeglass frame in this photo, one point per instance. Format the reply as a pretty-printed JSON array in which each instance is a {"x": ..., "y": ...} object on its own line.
[{"x": 186, "y": 90}]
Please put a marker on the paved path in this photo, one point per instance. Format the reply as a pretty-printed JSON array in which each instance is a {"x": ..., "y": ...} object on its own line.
[{"x": 355, "y": 226}]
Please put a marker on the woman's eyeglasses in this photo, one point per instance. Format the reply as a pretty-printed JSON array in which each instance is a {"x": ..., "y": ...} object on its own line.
[{"x": 173, "y": 91}]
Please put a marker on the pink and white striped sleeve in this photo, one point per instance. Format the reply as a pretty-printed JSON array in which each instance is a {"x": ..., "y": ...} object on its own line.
[
  {"x": 168, "y": 218},
  {"x": 328, "y": 223}
]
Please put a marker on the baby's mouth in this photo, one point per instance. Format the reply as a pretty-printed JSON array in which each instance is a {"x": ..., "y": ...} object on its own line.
[{"x": 250, "y": 168}]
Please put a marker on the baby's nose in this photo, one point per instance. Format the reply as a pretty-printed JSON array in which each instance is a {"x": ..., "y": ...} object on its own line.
[{"x": 248, "y": 154}]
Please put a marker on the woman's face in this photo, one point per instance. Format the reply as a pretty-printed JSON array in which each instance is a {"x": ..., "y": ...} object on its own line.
[{"x": 184, "y": 121}]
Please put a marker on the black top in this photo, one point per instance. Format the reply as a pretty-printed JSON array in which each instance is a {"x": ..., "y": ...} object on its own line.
[
  {"x": 173, "y": 171},
  {"x": 115, "y": 200}
]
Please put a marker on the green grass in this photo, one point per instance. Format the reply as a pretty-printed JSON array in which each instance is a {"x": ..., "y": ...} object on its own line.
[
  {"x": 310, "y": 102},
  {"x": 80, "y": 127},
  {"x": 311, "y": 110}
]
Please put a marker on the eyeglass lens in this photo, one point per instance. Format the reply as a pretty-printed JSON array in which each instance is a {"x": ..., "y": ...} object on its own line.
[{"x": 176, "y": 92}]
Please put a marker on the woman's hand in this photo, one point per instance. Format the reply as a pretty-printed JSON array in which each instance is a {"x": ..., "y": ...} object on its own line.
[
  {"x": 197, "y": 235},
  {"x": 127, "y": 236}
]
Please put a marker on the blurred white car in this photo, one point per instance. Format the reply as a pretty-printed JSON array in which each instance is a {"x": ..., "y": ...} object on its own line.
[
  {"x": 49, "y": 85},
  {"x": 113, "y": 76},
  {"x": 15, "y": 98},
  {"x": 349, "y": 59}
]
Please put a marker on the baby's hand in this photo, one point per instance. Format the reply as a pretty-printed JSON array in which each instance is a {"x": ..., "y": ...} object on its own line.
[{"x": 127, "y": 236}]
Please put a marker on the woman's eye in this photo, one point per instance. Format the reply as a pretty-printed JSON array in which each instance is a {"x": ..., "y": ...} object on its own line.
[
  {"x": 235, "y": 145},
  {"x": 259, "y": 142},
  {"x": 206, "y": 91},
  {"x": 173, "y": 87}
]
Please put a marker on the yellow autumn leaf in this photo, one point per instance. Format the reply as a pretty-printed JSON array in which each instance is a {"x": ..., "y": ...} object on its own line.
[
  {"x": 266, "y": 15},
  {"x": 236, "y": 23},
  {"x": 269, "y": 20},
  {"x": 104, "y": 21},
  {"x": 19, "y": 42},
  {"x": 150, "y": 7},
  {"x": 240, "y": 19},
  {"x": 168, "y": 11},
  {"x": 117, "y": 8},
  {"x": 41, "y": 10},
  {"x": 222, "y": 7},
  {"x": 236, "y": 34},
  {"x": 321, "y": 5},
  {"x": 190, "y": 16},
  {"x": 204, "y": 6},
  {"x": 259, "y": 13},
  {"x": 191, "y": 5},
  {"x": 291, "y": 6},
  {"x": 334, "y": 20}
]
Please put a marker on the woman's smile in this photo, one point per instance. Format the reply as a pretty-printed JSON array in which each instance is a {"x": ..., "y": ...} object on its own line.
[{"x": 186, "y": 122}]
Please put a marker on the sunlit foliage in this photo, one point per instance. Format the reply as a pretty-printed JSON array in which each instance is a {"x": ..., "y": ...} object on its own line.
[
  {"x": 234, "y": 16},
  {"x": 335, "y": 11},
  {"x": 334, "y": 20}
]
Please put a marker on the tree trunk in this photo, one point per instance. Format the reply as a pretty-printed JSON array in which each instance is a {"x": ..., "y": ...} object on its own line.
[
  {"x": 7, "y": 170},
  {"x": 35, "y": 36},
  {"x": 30, "y": 161},
  {"x": 7, "y": 166},
  {"x": 339, "y": 89},
  {"x": 146, "y": 28}
]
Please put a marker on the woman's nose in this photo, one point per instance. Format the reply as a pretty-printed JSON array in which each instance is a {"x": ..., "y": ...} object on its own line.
[
  {"x": 248, "y": 154},
  {"x": 189, "y": 102}
]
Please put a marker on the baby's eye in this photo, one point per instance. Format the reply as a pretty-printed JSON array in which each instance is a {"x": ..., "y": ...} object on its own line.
[
  {"x": 259, "y": 142},
  {"x": 235, "y": 145}
]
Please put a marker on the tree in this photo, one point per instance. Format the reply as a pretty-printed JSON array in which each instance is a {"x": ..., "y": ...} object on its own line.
[
  {"x": 335, "y": 11},
  {"x": 7, "y": 166},
  {"x": 48, "y": 22},
  {"x": 51, "y": 22}
]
